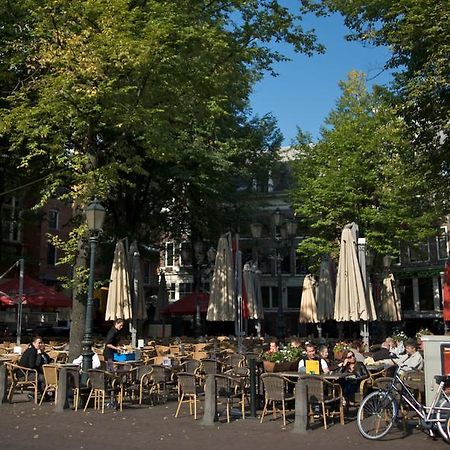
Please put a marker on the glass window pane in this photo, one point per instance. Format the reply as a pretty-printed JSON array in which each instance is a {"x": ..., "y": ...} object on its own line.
[
  {"x": 274, "y": 296},
  {"x": 293, "y": 300},
  {"x": 265, "y": 293},
  {"x": 426, "y": 294}
]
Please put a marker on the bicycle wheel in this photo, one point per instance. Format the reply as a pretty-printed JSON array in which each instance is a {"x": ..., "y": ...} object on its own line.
[
  {"x": 442, "y": 418},
  {"x": 376, "y": 415}
]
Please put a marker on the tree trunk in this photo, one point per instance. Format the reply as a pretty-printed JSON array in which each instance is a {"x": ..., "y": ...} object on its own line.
[{"x": 78, "y": 312}]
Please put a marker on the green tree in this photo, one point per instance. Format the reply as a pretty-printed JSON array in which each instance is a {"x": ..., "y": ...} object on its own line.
[
  {"x": 142, "y": 102},
  {"x": 358, "y": 172},
  {"x": 418, "y": 36}
]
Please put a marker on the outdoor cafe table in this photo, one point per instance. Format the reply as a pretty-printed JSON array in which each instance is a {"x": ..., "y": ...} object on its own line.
[{"x": 326, "y": 376}]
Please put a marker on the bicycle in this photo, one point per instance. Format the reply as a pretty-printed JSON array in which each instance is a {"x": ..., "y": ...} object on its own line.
[{"x": 380, "y": 409}]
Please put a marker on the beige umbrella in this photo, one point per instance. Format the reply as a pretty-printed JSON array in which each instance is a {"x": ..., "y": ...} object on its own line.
[
  {"x": 325, "y": 291},
  {"x": 351, "y": 303},
  {"x": 308, "y": 306},
  {"x": 390, "y": 300},
  {"x": 118, "y": 305},
  {"x": 253, "y": 288},
  {"x": 222, "y": 306}
]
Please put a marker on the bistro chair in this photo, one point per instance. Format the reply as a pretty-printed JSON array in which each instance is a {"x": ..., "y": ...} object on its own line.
[
  {"x": 234, "y": 360},
  {"x": 276, "y": 390},
  {"x": 188, "y": 392},
  {"x": 21, "y": 378},
  {"x": 101, "y": 384},
  {"x": 230, "y": 388},
  {"x": 326, "y": 394},
  {"x": 191, "y": 366},
  {"x": 50, "y": 372}
]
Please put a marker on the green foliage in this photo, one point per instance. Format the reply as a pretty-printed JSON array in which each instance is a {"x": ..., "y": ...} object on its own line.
[
  {"x": 361, "y": 170},
  {"x": 418, "y": 36},
  {"x": 144, "y": 104},
  {"x": 287, "y": 354}
]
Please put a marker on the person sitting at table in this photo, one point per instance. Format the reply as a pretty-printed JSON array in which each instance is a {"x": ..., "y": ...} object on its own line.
[
  {"x": 34, "y": 357},
  {"x": 384, "y": 352},
  {"x": 357, "y": 372},
  {"x": 396, "y": 347},
  {"x": 324, "y": 353},
  {"x": 95, "y": 361},
  {"x": 311, "y": 356},
  {"x": 412, "y": 359},
  {"x": 295, "y": 342},
  {"x": 358, "y": 349},
  {"x": 273, "y": 346}
]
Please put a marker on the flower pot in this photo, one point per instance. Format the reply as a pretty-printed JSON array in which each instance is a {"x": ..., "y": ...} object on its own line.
[
  {"x": 268, "y": 366},
  {"x": 282, "y": 367}
]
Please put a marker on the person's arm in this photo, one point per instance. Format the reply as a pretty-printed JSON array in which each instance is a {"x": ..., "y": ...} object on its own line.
[
  {"x": 324, "y": 366},
  {"x": 361, "y": 372}
]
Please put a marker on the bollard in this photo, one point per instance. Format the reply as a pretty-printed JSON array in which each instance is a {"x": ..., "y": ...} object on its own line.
[
  {"x": 61, "y": 401},
  {"x": 253, "y": 400},
  {"x": 3, "y": 384},
  {"x": 209, "y": 415},
  {"x": 301, "y": 407}
]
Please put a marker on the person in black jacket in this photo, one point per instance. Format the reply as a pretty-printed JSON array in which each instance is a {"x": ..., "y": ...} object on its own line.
[
  {"x": 357, "y": 372},
  {"x": 112, "y": 341},
  {"x": 34, "y": 357}
]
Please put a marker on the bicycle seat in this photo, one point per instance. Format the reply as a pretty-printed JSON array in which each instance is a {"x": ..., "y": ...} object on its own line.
[{"x": 442, "y": 378}]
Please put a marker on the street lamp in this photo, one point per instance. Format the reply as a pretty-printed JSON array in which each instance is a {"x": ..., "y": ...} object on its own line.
[{"x": 95, "y": 215}]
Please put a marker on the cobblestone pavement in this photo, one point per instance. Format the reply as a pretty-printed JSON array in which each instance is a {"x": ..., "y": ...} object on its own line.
[{"x": 24, "y": 425}]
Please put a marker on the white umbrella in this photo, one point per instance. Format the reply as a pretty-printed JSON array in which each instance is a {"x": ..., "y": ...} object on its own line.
[
  {"x": 118, "y": 305},
  {"x": 390, "y": 300},
  {"x": 325, "y": 291},
  {"x": 308, "y": 306},
  {"x": 222, "y": 306},
  {"x": 352, "y": 303}
]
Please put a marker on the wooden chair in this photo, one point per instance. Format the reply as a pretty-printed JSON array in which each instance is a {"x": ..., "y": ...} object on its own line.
[
  {"x": 188, "y": 392},
  {"x": 191, "y": 366},
  {"x": 21, "y": 378},
  {"x": 234, "y": 360},
  {"x": 50, "y": 372},
  {"x": 415, "y": 379},
  {"x": 276, "y": 390},
  {"x": 210, "y": 366},
  {"x": 101, "y": 384},
  {"x": 326, "y": 394}
]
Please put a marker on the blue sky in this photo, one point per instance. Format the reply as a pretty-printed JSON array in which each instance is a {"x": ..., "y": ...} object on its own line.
[{"x": 307, "y": 87}]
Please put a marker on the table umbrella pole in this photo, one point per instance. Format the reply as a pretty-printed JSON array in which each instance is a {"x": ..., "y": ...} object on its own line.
[{"x": 20, "y": 302}]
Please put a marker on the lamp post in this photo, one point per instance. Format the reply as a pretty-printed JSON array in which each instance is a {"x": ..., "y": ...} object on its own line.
[
  {"x": 284, "y": 232},
  {"x": 95, "y": 215}
]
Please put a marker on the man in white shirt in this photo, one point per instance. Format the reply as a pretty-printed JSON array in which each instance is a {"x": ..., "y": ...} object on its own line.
[
  {"x": 95, "y": 361},
  {"x": 412, "y": 359},
  {"x": 311, "y": 355}
]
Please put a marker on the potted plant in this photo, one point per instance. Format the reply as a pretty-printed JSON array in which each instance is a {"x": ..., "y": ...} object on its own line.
[
  {"x": 339, "y": 349},
  {"x": 283, "y": 360}
]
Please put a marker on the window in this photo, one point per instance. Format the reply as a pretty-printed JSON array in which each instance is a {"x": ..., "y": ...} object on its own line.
[
  {"x": 169, "y": 256},
  {"x": 185, "y": 288},
  {"x": 171, "y": 288},
  {"x": 405, "y": 286},
  {"x": 420, "y": 253},
  {"x": 442, "y": 243},
  {"x": 426, "y": 294},
  {"x": 11, "y": 220},
  {"x": 51, "y": 255},
  {"x": 293, "y": 297},
  {"x": 269, "y": 296},
  {"x": 53, "y": 219},
  {"x": 185, "y": 254}
]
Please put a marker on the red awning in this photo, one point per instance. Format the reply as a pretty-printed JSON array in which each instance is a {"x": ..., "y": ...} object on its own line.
[
  {"x": 35, "y": 294},
  {"x": 187, "y": 304}
]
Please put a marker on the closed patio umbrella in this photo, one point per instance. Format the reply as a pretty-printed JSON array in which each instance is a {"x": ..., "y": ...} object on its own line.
[
  {"x": 252, "y": 284},
  {"x": 162, "y": 301},
  {"x": 118, "y": 304},
  {"x": 325, "y": 290},
  {"x": 352, "y": 303},
  {"x": 308, "y": 306},
  {"x": 222, "y": 306},
  {"x": 390, "y": 308}
]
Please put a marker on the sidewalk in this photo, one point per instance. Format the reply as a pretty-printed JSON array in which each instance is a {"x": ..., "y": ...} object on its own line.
[{"x": 24, "y": 425}]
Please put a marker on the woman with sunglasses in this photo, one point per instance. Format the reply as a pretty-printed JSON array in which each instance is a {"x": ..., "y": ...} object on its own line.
[{"x": 357, "y": 372}]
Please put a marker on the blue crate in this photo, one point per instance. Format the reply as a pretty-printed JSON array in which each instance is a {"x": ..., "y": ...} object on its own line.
[{"x": 122, "y": 357}]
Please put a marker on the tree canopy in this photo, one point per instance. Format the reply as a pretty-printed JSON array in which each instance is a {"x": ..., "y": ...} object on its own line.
[
  {"x": 360, "y": 171},
  {"x": 418, "y": 36},
  {"x": 144, "y": 103}
]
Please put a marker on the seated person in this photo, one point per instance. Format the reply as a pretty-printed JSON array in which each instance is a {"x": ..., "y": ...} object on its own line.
[
  {"x": 273, "y": 346},
  {"x": 95, "y": 361},
  {"x": 325, "y": 355},
  {"x": 412, "y": 359},
  {"x": 358, "y": 372},
  {"x": 384, "y": 352},
  {"x": 34, "y": 357},
  {"x": 358, "y": 349},
  {"x": 396, "y": 347},
  {"x": 311, "y": 356}
]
